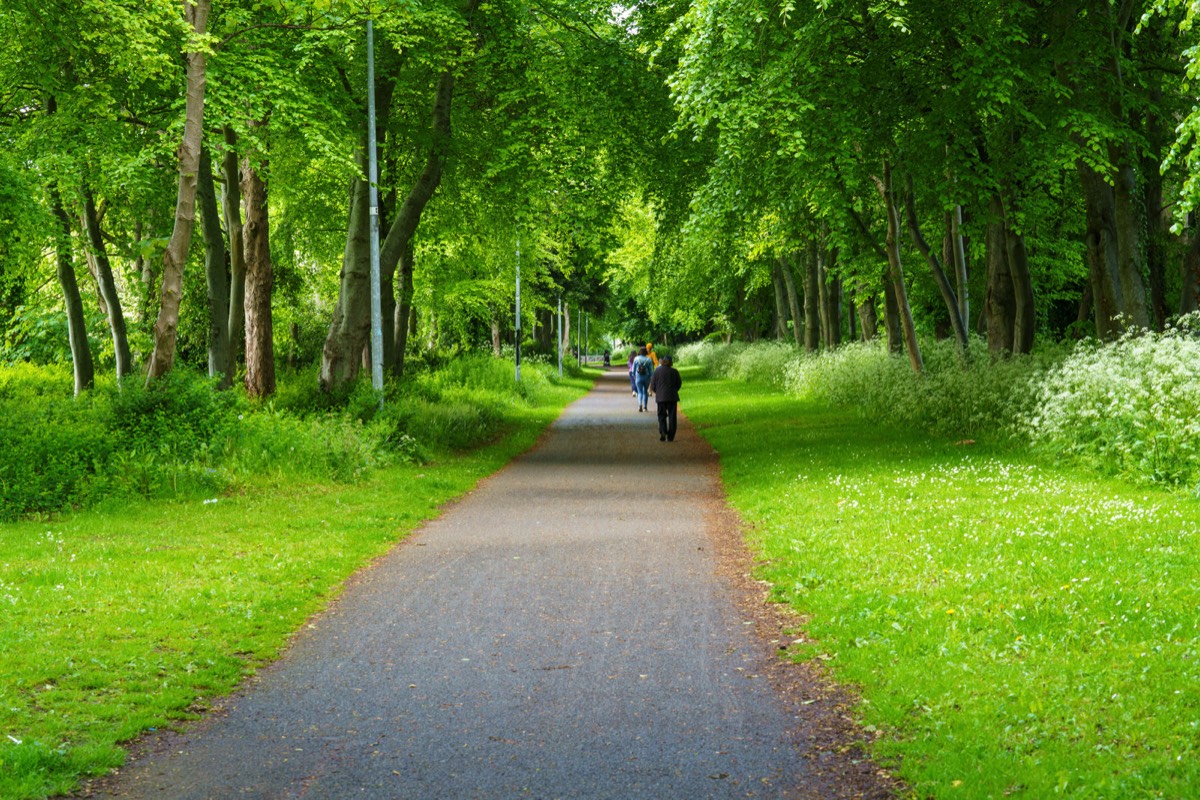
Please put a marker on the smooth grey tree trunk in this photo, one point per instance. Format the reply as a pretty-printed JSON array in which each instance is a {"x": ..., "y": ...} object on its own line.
[
  {"x": 781, "y": 303},
  {"x": 397, "y": 251},
  {"x": 961, "y": 276},
  {"x": 231, "y": 206},
  {"x": 896, "y": 269},
  {"x": 1024, "y": 311},
  {"x": 793, "y": 295},
  {"x": 949, "y": 296},
  {"x": 166, "y": 327},
  {"x": 81, "y": 355},
  {"x": 350, "y": 328},
  {"x": 107, "y": 285},
  {"x": 216, "y": 275}
]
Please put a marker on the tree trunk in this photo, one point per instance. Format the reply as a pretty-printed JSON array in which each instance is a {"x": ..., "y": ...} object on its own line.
[
  {"x": 231, "y": 203},
  {"x": 1190, "y": 291},
  {"x": 162, "y": 359},
  {"x": 81, "y": 355},
  {"x": 145, "y": 273},
  {"x": 495, "y": 335},
  {"x": 868, "y": 317},
  {"x": 961, "y": 275},
  {"x": 949, "y": 297},
  {"x": 891, "y": 315},
  {"x": 108, "y": 286},
  {"x": 833, "y": 296},
  {"x": 260, "y": 350},
  {"x": 1102, "y": 257},
  {"x": 789, "y": 282},
  {"x": 1025, "y": 314},
  {"x": 1157, "y": 224},
  {"x": 823, "y": 299},
  {"x": 1000, "y": 304},
  {"x": 215, "y": 274},
  {"x": 812, "y": 300},
  {"x": 896, "y": 268},
  {"x": 566, "y": 329},
  {"x": 781, "y": 303},
  {"x": 397, "y": 250},
  {"x": 852, "y": 313},
  {"x": 1129, "y": 245},
  {"x": 402, "y": 323},
  {"x": 350, "y": 328}
]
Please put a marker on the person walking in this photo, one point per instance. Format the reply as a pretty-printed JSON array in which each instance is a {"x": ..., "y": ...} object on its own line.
[
  {"x": 632, "y": 374},
  {"x": 665, "y": 383},
  {"x": 643, "y": 368}
]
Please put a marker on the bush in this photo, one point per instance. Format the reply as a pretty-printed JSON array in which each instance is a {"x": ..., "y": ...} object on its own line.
[
  {"x": 1131, "y": 407},
  {"x": 181, "y": 437},
  {"x": 979, "y": 398}
]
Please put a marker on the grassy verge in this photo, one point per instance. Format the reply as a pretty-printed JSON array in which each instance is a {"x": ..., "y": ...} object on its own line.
[
  {"x": 1016, "y": 629},
  {"x": 113, "y": 622}
]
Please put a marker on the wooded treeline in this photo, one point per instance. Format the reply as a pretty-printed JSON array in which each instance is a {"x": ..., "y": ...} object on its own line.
[
  {"x": 207, "y": 161},
  {"x": 1000, "y": 167},
  {"x": 810, "y": 171}
]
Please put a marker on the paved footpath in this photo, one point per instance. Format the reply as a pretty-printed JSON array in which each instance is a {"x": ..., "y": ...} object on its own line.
[{"x": 561, "y": 632}]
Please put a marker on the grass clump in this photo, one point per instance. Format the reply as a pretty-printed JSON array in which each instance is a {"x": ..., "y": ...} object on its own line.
[{"x": 1016, "y": 629}]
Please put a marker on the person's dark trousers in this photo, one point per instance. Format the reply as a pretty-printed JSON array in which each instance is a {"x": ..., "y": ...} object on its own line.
[{"x": 667, "y": 420}]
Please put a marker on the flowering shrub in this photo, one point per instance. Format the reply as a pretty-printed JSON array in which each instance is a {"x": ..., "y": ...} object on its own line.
[{"x": 1132, "y": 406}]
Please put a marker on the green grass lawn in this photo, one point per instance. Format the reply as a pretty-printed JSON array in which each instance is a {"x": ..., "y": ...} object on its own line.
[
  {"x": 1015, "y": 629},
  {"x": 115, "y": 622}
]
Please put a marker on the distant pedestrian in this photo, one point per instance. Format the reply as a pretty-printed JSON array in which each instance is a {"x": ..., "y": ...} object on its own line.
[
  {"x": 653, "y": 355},
  {"x": 665, "y": 383},
  {"x": 643, "y": 368},
  {"x": 632, "y": 374}
]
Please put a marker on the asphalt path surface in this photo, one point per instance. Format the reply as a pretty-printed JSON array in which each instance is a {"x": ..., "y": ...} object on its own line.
[{"x": 560, "y": 632}]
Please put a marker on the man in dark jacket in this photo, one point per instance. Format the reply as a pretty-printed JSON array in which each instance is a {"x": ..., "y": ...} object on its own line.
[{"x": 665, "y": 383}]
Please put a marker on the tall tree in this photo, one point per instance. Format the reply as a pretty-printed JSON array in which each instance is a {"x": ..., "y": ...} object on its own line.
[{"x": 162, "y": 358}]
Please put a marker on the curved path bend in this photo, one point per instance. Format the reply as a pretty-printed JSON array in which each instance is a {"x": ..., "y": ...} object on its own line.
[{"x": 561, "y": 632}]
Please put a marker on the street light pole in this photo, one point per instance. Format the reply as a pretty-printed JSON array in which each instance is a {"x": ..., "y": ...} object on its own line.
[
  {"x": 373, "y": 181},
  {"x": 518, "y": 348},
  {"x": 559, "y": 336}
]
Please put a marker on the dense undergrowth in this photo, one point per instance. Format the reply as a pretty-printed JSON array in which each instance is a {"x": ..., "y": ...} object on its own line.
[
  {"x": 1130, "y": 407},
  {"x": 180, "y": 437}
]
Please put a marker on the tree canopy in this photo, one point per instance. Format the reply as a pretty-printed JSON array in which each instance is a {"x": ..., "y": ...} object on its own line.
[{"x": 674, "y": 169}]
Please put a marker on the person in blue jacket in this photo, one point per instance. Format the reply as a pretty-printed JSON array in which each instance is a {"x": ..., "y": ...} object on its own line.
[{"x": 643, "y": 369}]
